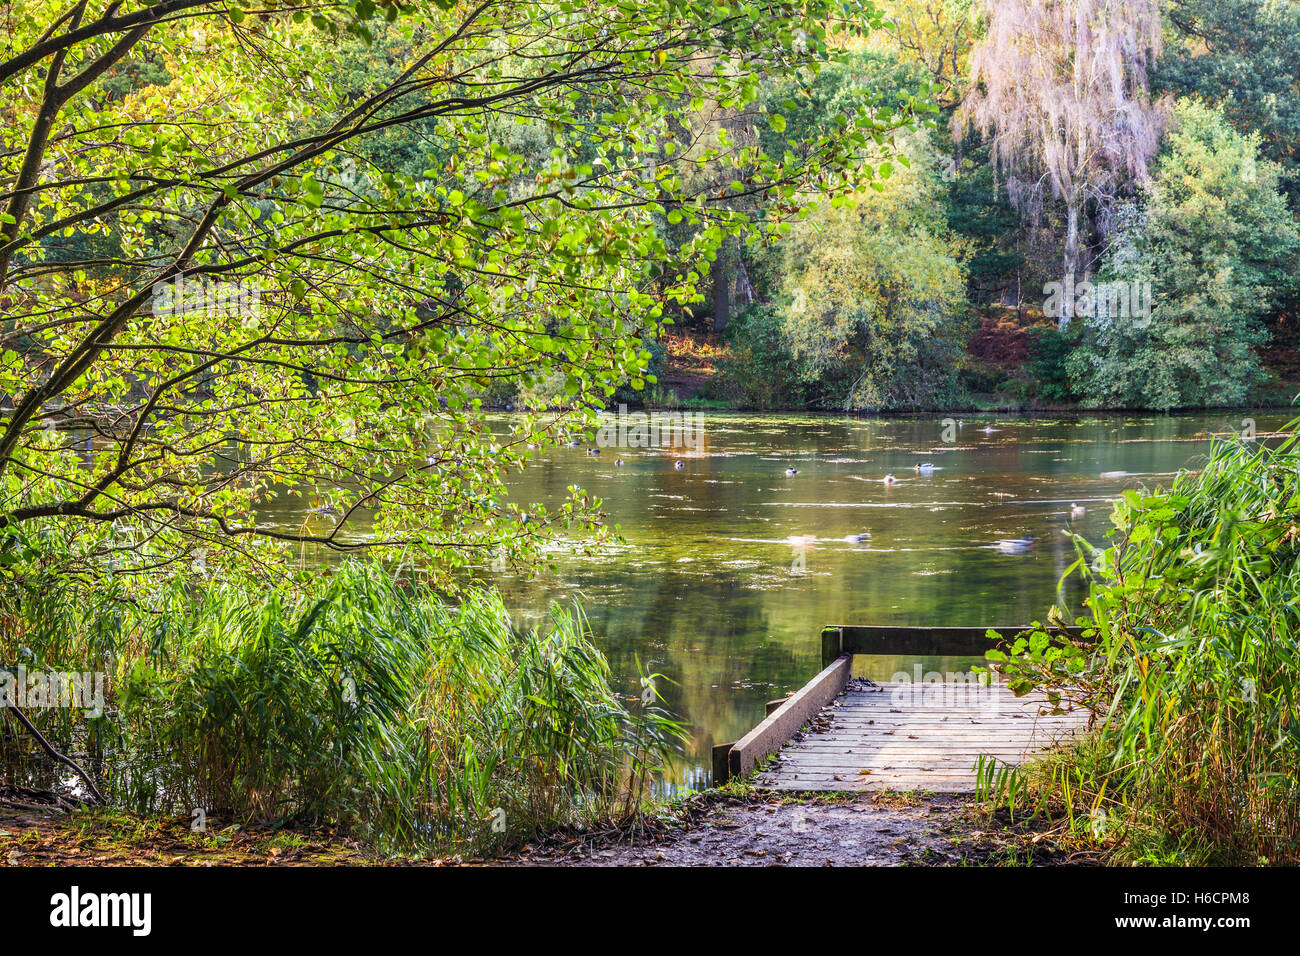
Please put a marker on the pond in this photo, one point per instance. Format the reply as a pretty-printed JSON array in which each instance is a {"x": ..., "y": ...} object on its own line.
[{"x": 729, "y": 567}]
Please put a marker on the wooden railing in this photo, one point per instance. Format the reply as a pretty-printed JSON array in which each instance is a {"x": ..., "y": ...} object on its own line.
[{"x": 840, "y": 639}]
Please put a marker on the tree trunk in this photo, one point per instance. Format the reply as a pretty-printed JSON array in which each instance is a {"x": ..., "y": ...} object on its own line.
[
  {"x": 721, "y": 290},
  {"x": 1071, "y": 256},
  {"x": 744, "y": 288}
]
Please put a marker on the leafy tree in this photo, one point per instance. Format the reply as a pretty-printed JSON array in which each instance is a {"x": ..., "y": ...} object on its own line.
[
  {"x": 981, "y": 213},
  {"x": 1244, "y": 57},
  {"x": 876, "y": 83},
  {"x": 796, "y": 109},
  {"x": 1217, "y": 244},
  {"x": 873, "y": 292},
  {"x": 758, "y": 370},
  {"x": 223, "y": 277},
  {"x": 937, "y": 34}
]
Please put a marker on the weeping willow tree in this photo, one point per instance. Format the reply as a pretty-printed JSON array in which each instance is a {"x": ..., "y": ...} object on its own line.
[{"x": 1060, "y": 88}]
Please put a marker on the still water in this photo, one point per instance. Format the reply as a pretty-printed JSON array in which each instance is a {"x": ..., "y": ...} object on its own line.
[{"x": 729, "y": 568}]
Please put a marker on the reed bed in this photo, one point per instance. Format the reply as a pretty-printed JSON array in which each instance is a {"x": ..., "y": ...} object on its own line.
[
  {"x": 1194, "y": 676},
  {"x": 380, "y": 709}
]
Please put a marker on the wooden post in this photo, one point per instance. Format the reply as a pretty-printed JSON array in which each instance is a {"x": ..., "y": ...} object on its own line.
[
  {"x": 923, "y": 641},
  {"x": 780, "y": 725},
  {"x": 832, "y": 638},
  {"x": 721, "y": 763}
]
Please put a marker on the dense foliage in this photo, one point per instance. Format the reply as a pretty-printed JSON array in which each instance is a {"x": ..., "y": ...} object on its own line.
[
  {"x": 872, "y": 293},
  {"x": 255, "y": 251},
  {"x": 361, "y": 704},
  {"x": 1114, "y": 143},
  {"x": 1217, "y": 245},
  {"x": 317, "y": 238},
  {"x": 1244, "y": 57},
  {"x": 1193, "y": 667}
]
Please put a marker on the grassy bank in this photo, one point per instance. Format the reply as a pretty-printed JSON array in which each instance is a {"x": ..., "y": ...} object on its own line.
[
  {"x": 380, "y": 710},
  {"x": 1195, "y": 673}
]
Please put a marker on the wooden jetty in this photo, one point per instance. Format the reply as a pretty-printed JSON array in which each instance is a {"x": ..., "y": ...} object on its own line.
[{"x": 854, "y": 735}]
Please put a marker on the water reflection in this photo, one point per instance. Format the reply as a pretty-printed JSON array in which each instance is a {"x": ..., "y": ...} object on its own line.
[{"x": 730, "y": 567}]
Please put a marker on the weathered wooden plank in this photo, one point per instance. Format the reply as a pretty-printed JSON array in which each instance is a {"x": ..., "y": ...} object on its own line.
[
  {"x": 955, "y": 727},
  {"x": 851, "y": 775},
  {"x": 866, "y": 752},
  {"x": 884, "y": 774},
  {"x": 926, "y": 747},
  {"x": 779, "y": 726},
  {"x": 876, "y": 783},
  {"x": 873, "y": 784},
  {"x": 853, "y": 763},
  {"x": 957, "y": 721},
  {"x": 956, "y": 724},
  {"x": 885, "y": 715},
  {"x": 869, "y": 783},
  {"x": 902, "y": 749},
  {"x": 1004, "y": 711},
  {"x": 945, "y": 695},
  {"x": 840, "y": 735},
  {"x": 986, "y": 707},
  {"x": 968, "y": 719}
]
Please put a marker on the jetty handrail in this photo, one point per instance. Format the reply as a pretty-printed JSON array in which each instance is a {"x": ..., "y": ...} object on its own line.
[{"x": 840, "y": 639}]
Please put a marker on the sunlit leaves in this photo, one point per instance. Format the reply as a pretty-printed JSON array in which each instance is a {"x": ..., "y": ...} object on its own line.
[{"x": 402, "y": 226}]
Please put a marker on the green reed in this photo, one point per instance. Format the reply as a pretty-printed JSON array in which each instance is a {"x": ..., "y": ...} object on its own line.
[
  {"x": 366, "y": 705},
  {"x": 1194, "y": 673}
]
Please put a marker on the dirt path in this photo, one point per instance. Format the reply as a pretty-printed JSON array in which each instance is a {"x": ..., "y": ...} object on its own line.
[
  {"x": 714, "y": 829},
  {"x": 864, "y": 830}
]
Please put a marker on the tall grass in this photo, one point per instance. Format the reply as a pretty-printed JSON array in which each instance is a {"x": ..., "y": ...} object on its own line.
[
  {"x": 1195, "y": 673},
  {"x": 367, "y": 705}
]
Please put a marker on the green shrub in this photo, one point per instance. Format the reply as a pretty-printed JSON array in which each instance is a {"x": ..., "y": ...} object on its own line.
[
  {"x": 758, "y": 371},
  {"x": 1049, "y": 348},
  {"x": 983, "y": 379},
  {"x": 1195, "y": 671}
]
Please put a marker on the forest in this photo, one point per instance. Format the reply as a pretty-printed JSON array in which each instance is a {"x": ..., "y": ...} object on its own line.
[{"x": 1150, "y": 155}]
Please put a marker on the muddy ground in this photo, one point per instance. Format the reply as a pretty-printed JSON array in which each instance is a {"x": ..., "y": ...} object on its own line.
[
  {"x": 858, "y": 830},
  {"x": 38, "y": 828},
  {"x": 714, "y": 829}
]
